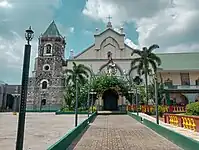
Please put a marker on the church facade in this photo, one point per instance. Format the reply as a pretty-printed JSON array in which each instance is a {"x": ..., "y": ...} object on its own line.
[{"x": 109, "y": 54}]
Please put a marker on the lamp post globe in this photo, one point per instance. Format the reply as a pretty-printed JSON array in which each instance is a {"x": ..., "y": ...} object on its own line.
[
  {"x": 29, "y": 34},
  {"x": 137, "y": 80}
]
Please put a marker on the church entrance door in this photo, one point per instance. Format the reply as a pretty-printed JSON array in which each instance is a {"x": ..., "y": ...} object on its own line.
[{"x": 110, "y": 98}]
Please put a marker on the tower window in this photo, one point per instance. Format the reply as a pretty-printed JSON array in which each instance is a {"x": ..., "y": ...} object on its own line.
[
  {"x": 48, "y": 49},
  {"x": 46, "y": 67},
  {"x": 44, "y": 85}
]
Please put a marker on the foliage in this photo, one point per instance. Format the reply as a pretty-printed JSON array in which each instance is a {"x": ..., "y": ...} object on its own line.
[
  {"x": 192, "y": 109},
  {"x": 69, "y": 97},
  {"x": 94, "y": 109},
  {"x": 161, "y": 110},
  {"x": 104, "y": 82},
  {"x": 142, "y": 97},
  {"x": 160, "y": 92},
  {"x": 145, "y": 60},
  {"x": 79, "y": 72},
  {"x": 72, "y": 110}
]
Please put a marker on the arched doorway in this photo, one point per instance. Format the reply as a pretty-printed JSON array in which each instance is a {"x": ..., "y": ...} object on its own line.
[{"x": 110, "y": 98}]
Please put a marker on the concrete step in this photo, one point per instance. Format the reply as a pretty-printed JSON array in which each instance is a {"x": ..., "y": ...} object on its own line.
[{"x": 111, "y": 112}]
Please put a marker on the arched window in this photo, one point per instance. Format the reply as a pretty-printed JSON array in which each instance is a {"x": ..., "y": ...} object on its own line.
[
  {"x": 44, "y": 85},
  {"x": 48, "y": 49}
]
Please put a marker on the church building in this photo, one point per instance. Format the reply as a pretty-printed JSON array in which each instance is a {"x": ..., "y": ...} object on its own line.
[{"x": 108, "y": 54}]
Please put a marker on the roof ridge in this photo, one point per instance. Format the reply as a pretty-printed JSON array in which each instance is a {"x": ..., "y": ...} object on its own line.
[
  {"x": 177, "y": 53},
  {"x": 52, "y": 30}
]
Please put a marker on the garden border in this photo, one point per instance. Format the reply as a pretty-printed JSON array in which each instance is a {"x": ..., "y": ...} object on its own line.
[
  {"x": 69, "y": 137},
  {"x": 177, "y": 138},
  {"x": 37, "y": 111},
  {"x": 70, "y": 112}
]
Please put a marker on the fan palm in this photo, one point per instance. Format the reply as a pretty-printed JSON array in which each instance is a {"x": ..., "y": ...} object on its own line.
[
  {"x": 143, "y": 63},
  {"x": 79, "y": 72}
]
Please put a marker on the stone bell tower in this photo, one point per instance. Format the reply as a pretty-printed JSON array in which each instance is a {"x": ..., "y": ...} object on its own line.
[{"x": 46, "y": 85}]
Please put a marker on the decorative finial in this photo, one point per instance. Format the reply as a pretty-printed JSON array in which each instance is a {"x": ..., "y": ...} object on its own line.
[
  {"x": 109, "y": 25},
  {"x": 71, "y": 54},
  {"x": 121, "y": 30}
]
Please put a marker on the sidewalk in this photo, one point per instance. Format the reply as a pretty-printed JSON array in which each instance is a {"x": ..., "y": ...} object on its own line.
[
  {"x": 185, "y": 132},
  {"x": 120, "y": 132}
]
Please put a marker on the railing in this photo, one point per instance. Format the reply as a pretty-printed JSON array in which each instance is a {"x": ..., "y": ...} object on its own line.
[
  {"x": 182, "y": 87},
  {"x": 151, "y": 108},
  {"x": 187, "y": 122}
]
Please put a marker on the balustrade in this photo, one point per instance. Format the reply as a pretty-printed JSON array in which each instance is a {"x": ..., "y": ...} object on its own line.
[
  {"x": 187, "y": 122},
  {"x": 151, "y": 108}
]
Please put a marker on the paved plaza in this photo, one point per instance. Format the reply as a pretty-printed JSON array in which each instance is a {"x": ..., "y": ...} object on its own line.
[
  {"x": 120, "y": 132},
  {"x": 41, "y": 130}
]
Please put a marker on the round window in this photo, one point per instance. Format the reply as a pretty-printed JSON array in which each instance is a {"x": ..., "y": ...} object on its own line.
[{"x": 46, "y": 67}]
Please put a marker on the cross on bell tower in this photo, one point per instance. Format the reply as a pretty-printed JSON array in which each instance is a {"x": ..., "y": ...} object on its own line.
[{"x": 109, "y": 25}]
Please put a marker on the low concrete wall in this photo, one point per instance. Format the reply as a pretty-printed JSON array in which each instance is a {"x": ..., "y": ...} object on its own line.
[
  {"x": 180, "y": 140},
  {"x": 41, "y": 111},
  {"x": 138, "y": 118},
  {"x": 67, "y": 140}
]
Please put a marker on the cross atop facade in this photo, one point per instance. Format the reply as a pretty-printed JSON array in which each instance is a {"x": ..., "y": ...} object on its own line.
[
  {"x": 109, "y": 25},
  {"x": 109, "y": 18}
]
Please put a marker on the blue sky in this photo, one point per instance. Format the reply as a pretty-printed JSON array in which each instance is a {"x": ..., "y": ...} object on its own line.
[
  {"x": 172, "y": 24},
  {"x": 70, "y": 16}
]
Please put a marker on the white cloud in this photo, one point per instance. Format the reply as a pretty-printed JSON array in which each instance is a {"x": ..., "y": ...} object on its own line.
[
  {"x": 14, "y": 21},
  {"x": 171, "y": 24},
  {"x": 5, "y": 4},
  {"x": 72, "y": 29}
]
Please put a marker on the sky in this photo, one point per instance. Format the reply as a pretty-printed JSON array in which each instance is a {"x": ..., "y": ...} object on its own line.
[{"x": 172, "y": 24}]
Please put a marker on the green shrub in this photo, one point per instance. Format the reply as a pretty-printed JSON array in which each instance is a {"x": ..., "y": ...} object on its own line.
[
  {"x": 192, "y": 109},
  {"x": 94, "y": 109},
  {"x": 161, "y": 111}
]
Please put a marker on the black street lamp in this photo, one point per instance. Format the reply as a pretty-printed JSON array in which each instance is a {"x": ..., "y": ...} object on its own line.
[
  {"x": 92, "y": 103},
  {"x": 137, "y": 80},
  {"x": 24, "y": 87},
  {"x": 76, "y": 102},
  {"x": 156, "y": 98}
]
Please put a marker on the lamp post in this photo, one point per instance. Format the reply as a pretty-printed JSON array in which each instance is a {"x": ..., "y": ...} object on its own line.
[
  {"x": 76, "y": 103},
  {"x": 88, "y": 101},
  {"x": 156, "y": 99},
  {"x": 92, "y": 93},
  {"x": 24, "y": 86},
  {"x": 137, "y": 80},
  {"x": 131, "y": 93}
]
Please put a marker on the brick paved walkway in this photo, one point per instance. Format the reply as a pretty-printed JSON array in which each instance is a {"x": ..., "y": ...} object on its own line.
[{"x": 121, "y": 132}]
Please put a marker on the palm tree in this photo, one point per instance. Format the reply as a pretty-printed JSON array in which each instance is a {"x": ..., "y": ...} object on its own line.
[
  {"x": 79, "y": 72},
  {"x": 145, "y": 60}
]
